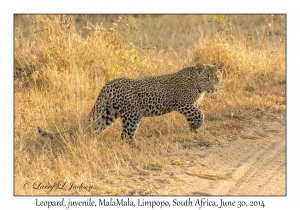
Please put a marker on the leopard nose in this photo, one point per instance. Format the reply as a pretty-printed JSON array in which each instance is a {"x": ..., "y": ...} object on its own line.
[{"x": 211, "y": 90}]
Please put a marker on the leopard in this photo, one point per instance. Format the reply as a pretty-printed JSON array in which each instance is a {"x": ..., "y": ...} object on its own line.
[{"x": 132, "y": 99}]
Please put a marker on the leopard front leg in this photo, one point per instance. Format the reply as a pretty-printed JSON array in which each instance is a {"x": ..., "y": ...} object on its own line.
[
  {"x": 193, "y": 115},
  {"x": 130, "y": 124}
]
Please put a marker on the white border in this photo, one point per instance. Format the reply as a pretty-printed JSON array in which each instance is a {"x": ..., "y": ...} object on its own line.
[{"x": 8, "y": 201}]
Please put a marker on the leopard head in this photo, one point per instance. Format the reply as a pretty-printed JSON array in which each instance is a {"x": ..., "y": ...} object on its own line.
[{"x": 208, "y": 77}]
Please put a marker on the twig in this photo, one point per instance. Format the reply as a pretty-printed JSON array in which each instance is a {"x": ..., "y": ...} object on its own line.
[
  {"x": 71, "y": 21},
  {"x": 207, "y": 176},
  {"x": 266, "y": 30}
]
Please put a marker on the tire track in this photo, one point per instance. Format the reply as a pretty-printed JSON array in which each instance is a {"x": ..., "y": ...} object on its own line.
[{"x": 261, "y": 173}]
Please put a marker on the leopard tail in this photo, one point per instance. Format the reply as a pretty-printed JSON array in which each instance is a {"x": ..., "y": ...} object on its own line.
[{"x": 52, "y": 135}]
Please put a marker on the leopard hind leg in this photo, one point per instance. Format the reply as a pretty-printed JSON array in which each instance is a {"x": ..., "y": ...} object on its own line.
[
  {"x": 109, "y": 116},
  {"x": 104, "y": 117},
  {"x": 130, "y": 124}
]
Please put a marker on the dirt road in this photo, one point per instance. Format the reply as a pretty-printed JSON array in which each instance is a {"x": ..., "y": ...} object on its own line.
[{"x": 253, "y": 164}]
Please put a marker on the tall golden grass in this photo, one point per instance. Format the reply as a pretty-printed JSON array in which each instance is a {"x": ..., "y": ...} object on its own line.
[{"x": 62, "y": 61}]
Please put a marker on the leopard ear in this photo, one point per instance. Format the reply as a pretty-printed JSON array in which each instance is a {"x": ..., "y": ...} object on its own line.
[
  {"x": 200, "y": 66},
  {"x": 219, "y": 65}
]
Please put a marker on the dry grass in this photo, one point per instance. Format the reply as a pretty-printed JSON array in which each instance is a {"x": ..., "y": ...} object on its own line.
[{"x": 62, "y": 62}]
